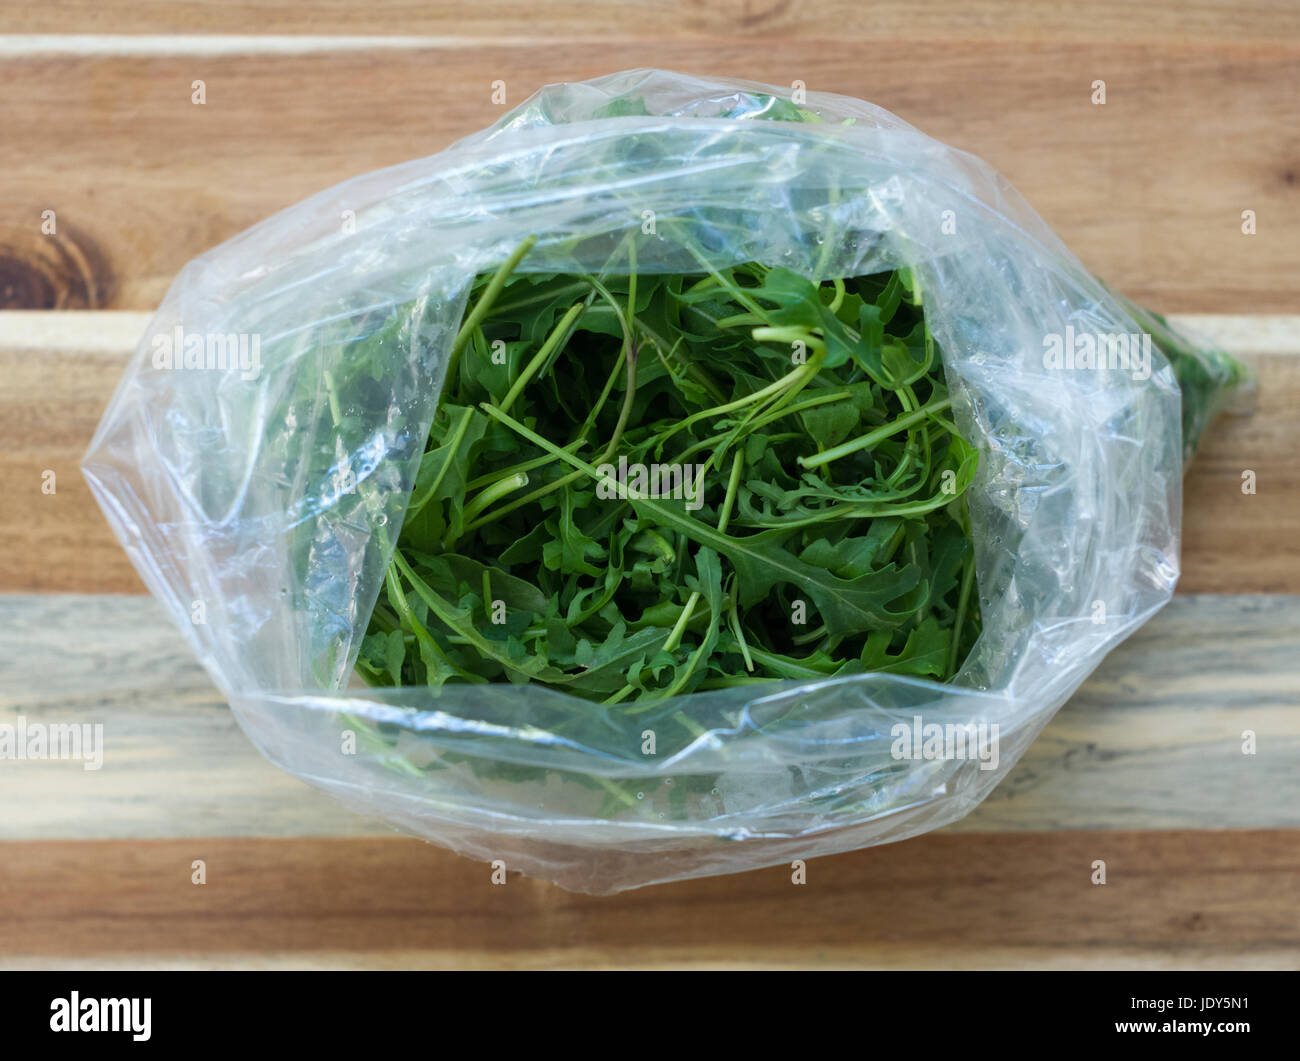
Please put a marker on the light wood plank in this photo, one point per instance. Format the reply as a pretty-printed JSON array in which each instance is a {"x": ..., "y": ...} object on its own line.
[
  {"x": 143, "y": 180},
  {"x": 1239, "y": 542},
  {"x": 1180, "y": 899},
  {"x": 1152, "y": 741}
]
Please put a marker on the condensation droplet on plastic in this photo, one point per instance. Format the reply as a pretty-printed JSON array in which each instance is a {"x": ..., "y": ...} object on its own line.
[
  {"x": 668, "y": 780},
  {"x": 381, "y": 520},
  {"x": 640, "y": 795},
  {"x": 715, "y": 792}
]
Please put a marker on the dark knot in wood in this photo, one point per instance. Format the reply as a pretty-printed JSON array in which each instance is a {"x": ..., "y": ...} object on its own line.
[{"x": 62, "y": 271}]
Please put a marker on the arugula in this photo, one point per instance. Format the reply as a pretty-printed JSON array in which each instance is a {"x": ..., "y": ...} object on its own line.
[{"x": 640, "y": 485}]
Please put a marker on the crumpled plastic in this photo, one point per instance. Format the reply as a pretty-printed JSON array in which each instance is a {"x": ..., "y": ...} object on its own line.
[{"x": 260, "y": 497}]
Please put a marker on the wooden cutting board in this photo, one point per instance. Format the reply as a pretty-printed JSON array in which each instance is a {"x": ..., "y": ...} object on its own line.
[{"x": 1143, "y": 769}]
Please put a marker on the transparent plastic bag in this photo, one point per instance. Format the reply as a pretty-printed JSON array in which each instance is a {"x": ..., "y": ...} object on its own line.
[{"x": 264, "y": 495}]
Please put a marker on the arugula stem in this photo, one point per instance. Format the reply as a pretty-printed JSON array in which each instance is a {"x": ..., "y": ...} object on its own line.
[
  {"x": 495, "y": 492},
  {"x": 791, "y": 379},
  {"x": 733, "y": 289},
  {"x": 811, "y": 635},
  {"x": 428, "y": 646},
  {"x": 479, "y": 312},
  {"x": 332, "y": 390},
  {"x": 558, "y": 333},
  {"x": 624, "y": 413},
  {"x": 963, "y": 600},
  {"x": 733, "y": 621},
  {"x": 874, "y": 438},
  {"x": 524, "y": 466},
  {"x": 458, "y": 436},
  {"x": 675, "y": 637},
  {"x": 679, "y": 627}
]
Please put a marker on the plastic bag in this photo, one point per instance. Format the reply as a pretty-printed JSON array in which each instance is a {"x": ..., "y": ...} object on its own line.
[{"x": 258, "y": 486}]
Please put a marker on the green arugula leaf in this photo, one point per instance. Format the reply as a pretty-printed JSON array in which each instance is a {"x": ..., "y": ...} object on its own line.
[{"x": 639, "y": 485}]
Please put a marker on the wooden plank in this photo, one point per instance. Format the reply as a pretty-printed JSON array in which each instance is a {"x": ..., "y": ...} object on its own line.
[
  {"x": 60, "y": 369},
  {"x": 1171, "y": 900},
  {"x": 1235, "y": 541},
  {"x": 142, "y": 180},
  {"x": 56, "y": 384},
  {"x": 1152, "y": 741},
  {"x": 1224, "y": 20}
]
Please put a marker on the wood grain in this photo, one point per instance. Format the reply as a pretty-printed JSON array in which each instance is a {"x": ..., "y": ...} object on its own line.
[
  {"x": 1153, "y": 740},
  {"x": 110, "y": 140},
  {"x": 54, "y": 392},
  {"x": 1232, "y": 543},
  {"x": 1142, "y": 769},
  {"x": 1179, "y": 899},
  {"x": 60, "y": 369},
  {"x": 866, "y": 21}
]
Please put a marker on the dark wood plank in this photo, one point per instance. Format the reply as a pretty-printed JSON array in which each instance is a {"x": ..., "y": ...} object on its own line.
[
  {"x": 1206, "y": 20},
  {"x": 1223, "y": 899}
]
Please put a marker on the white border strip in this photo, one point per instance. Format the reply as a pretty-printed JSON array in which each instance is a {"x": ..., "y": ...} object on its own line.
[{"x": 116, "y": 332}]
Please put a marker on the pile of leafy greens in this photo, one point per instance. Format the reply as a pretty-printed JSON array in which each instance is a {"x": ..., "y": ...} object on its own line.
[{"x": 643, "y": 485}]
